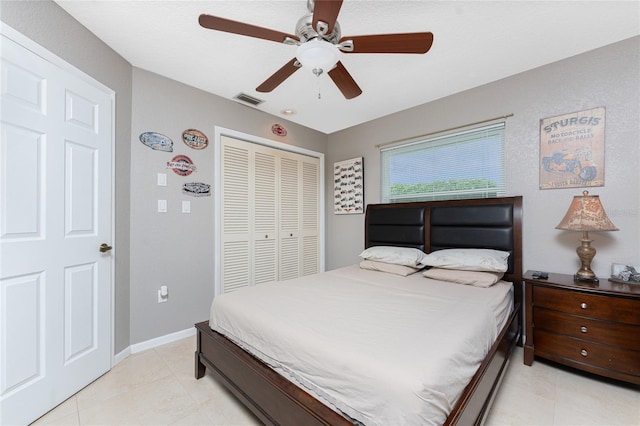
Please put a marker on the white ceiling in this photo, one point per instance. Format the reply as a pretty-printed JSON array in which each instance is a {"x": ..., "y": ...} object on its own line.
[{"x": 475, "y": 42}]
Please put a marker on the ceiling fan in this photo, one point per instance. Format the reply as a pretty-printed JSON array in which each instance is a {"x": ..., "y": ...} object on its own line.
[{"x": 319, "y": 44}]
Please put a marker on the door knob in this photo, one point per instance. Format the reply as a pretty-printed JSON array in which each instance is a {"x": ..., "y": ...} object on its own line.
[{"x": 104, "y": 247}]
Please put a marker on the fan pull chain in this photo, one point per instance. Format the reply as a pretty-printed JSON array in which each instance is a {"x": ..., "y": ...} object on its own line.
[{"x": 318, "y": 72}]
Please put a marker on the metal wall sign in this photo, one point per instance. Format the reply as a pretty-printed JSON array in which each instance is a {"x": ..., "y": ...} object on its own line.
[
  {"x": 195, "y": 139},
  {"x": 181, "y": 165},
  {"x": 572, "y": 150},
  {"x": 157, "y": 141}
]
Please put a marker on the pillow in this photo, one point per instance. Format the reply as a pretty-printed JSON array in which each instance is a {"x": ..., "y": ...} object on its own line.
[
  {"x": 398, "y": 255},
  {"x": 468, "y": 259},
  {"x": 474, "y": 278},
  {"x": 390, "y": 268}
]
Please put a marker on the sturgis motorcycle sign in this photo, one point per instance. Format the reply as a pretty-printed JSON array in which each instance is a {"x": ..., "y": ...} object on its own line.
[{"x": 572, "y": 150}]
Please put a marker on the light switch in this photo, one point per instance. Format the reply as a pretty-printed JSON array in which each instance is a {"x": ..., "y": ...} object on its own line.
[
  {"x": 162, "y": 179},
  {"x": 162, "y": 206},
  {"x": 186, "y": 207}
]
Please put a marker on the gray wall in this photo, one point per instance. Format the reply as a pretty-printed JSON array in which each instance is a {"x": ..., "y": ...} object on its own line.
[
  {"x": 153, "y": 249},
  {"x": 608, "y": 77},
  {"x": 50, "y": 26},
  {"x": 173, "y": 248},
  {"x": 176, "y": 249}
]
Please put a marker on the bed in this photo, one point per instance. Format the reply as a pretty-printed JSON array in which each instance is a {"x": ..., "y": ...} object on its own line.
[{"x": 428, "y": 226}]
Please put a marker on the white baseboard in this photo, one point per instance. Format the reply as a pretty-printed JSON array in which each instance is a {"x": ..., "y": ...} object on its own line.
[
  {"x": 152, "y": 343},
  {"x": 121, "y": 356}
]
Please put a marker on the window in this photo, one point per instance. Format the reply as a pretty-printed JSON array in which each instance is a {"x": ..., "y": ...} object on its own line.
[{"x": 465, "y": 164}]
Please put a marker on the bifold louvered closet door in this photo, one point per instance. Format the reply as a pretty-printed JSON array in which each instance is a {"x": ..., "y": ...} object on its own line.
[{"x": 270, "y": 214}]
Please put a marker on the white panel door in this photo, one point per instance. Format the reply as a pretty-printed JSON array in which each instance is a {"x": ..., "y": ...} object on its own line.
[{"x": 55, "y": 199}]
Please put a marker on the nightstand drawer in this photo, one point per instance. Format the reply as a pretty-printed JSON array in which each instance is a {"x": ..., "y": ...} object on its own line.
[
  {"x": 609, "y": 333},
  {"x": 588, "y": 305},
  {"x": 559, "y": 347}
]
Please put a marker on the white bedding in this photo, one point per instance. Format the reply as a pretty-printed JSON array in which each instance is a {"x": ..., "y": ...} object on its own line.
[{"x": 381, "y": 348}]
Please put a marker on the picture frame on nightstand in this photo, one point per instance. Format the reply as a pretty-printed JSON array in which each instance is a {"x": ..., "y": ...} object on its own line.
[{"x": 622, "y": 273}]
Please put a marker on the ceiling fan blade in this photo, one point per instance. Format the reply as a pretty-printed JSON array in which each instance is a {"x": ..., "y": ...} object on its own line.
[
  {"x": 279, "y": 76},
  {"x": 227, "y": 25},
  {"x": 344, "y": 81},
  {"x": 391, "y": 43},
  {"x": 326, "y": 11}
]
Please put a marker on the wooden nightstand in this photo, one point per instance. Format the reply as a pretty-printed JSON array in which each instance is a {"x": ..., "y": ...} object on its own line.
[{"x": 591, "y": 326}]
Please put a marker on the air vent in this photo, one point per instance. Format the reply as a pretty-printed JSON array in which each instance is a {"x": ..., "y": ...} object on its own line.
[{"x": 248, "y": 99}]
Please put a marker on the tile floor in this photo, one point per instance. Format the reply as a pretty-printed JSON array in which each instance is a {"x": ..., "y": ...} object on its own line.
[{"x": 157, "y": 387}]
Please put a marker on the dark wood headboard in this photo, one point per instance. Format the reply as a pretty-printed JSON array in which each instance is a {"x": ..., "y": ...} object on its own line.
[{"x": 494, "y": 223}]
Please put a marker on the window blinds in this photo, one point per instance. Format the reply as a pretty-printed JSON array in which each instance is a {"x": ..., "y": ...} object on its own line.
[{"x": 465, "y": 164}]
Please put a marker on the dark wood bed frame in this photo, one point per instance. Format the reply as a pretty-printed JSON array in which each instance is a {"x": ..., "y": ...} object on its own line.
[{"x": 476, "y": 223}]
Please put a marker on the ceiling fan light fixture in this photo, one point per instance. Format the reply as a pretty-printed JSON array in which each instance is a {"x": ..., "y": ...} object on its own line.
[
  {"x": 320, "y": 44},
  {"x": 318, "y": 55}
]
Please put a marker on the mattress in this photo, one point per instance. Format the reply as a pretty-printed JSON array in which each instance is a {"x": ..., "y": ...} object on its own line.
[{"x": 380, "y": 348}]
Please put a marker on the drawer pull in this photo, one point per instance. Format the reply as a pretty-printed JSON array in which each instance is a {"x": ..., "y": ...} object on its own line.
[
  {"x": 584, "y": 353},
  {"x": 583, "y": 305},
  {"x": 583, "y": 329}
]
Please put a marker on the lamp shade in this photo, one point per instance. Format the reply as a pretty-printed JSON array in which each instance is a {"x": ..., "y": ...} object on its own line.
[
  {"x": 586, "y": 213},
  {"x": 318, "y": 55}
]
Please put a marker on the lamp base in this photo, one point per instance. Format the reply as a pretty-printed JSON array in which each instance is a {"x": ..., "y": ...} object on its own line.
[
  {"x": 586, "y": 254},
  {"x": 576, "y": 277}
]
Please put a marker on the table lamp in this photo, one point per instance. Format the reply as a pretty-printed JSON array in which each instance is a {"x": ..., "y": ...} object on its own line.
[{"x": 586, "y": 214}]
